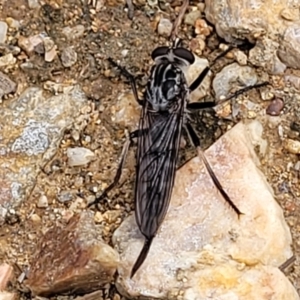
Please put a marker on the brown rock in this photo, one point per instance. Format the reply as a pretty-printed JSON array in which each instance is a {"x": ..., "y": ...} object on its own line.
[
  {"x": 72, "y": 259},
  {"x": 275, "y": 107}
]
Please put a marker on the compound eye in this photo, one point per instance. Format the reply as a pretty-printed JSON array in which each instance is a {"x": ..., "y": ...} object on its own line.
[
  {"x": 160, "y": 51},
  {"x": 184, "y": 54}
]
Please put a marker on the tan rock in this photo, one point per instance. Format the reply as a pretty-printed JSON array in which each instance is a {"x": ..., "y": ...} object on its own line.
[
  {"x": 6, "y": 274},
  {"x": 290, "y": 46},
  {"x": 229, "y": 76},
  {"x": 7, "y": 296},
  {"x": 242, "y": 19},
  {"x": 260, "y": 21},
  {"x": 202, "y": 249},
  {"x": 127, "y": 111},
  {"x": 72, "y": 259},
  {"x": 264, "y": 54}
]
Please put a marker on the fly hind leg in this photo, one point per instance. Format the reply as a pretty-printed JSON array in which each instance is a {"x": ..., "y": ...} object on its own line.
[{"x": 196, "y": 142}]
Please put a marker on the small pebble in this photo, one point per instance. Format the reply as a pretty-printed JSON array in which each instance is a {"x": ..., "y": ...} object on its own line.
[
  {"x": 201, "y": 6},
  {"x": 65, "y": 196},
  {"x": 7, "y": 86},
  {"x": 33, "y": 4},
  {"x": 266, "y": 95},
  {"x": 78, "y": 203},
  {"x": 3, "y": 31},
  {"x": 297, "y": 166},
  {"x": 202, "y": 28},
  {"x": 43, "y": 202},
  {"x": 12, "y": 23},
  {"x": 124, "y": 52},
  {"x": 35, "y": 218},
  {"x": 67, "y": 215},
  {"x": 3, "y": 214},
  {"x": 74, "y": 33},
  {"x": 191, "y": 17},
  {"x": 240, "y": 57},
  {"x": 79, "y": 156},
  {"x": 68, "y": 57},
  {"x": 290, "y": 14},
  {"x": 165, "y": 27},
  {"x": 275, "y": 107},
  {"x": 28, "y": 44},
  {"x": 111, "y": 216},
  {"x": 50, "y": 49},
  {"x": 7, "y": 60},
  {"x": 292, "y": 146},
  {"x": 98, "y": 218},
  {"x": 6, "y": 275}
]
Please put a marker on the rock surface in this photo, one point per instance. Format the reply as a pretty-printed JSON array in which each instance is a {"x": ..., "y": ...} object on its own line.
[
  {"x": 237, "y": 20},
  {"x": 72, "y": 259},
  {"x": 31, "y": 129},
  {"x": 262, "y": 21},
  {"x": 264, "y": 54},
  {"x": 202, "y": 248},
  {"x": 290, "y": 46},
  {"x": 6, "y": 85},
  {"x": 230, "y": 75},
  {"x": 6, "y": 276}
]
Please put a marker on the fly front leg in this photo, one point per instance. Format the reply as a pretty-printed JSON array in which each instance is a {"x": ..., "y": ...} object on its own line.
[
  {"x": 131, "y": 79},
  {"x": 205, "y": 71},
  {"x": 117, "y": 177},
  {"x": 196, "y": 142},
  {"x": 210, "y": 104},
  {"x": 194, "y": 86}
]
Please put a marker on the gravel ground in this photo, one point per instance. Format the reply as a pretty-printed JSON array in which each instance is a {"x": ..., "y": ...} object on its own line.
[{"x": 107, "y": 34}]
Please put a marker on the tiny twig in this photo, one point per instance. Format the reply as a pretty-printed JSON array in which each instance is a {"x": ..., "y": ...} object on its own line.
[
  {"x": 288, "y": 263},
  {"x": 178, "y": 20},
  {"x": 130, "y": 9}
]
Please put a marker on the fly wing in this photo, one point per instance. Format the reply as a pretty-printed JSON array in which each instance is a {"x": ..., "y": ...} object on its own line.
[{"x": 157, "y": 154}]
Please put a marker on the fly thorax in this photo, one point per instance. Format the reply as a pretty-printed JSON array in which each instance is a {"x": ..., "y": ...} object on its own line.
[{"x": 167, "y": 83}]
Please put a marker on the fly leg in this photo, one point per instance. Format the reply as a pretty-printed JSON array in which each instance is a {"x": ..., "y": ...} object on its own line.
[
  {"x": 202, "y": 75},
  {"x": 211, "y": 104},
  {"x": 131, "y": 79},
  {"x": 117, "y": 177},
  {"x": 196, "y": 142},
  {"x": 205, "y": 71},
  {"x": 129, "y": 139}
]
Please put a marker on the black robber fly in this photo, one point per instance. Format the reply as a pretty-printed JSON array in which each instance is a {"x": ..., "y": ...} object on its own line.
[{"x": 164, "y": 115}]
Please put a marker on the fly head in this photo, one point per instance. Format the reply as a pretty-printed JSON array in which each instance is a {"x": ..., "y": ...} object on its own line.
[{"x": 175, "y": 54}]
